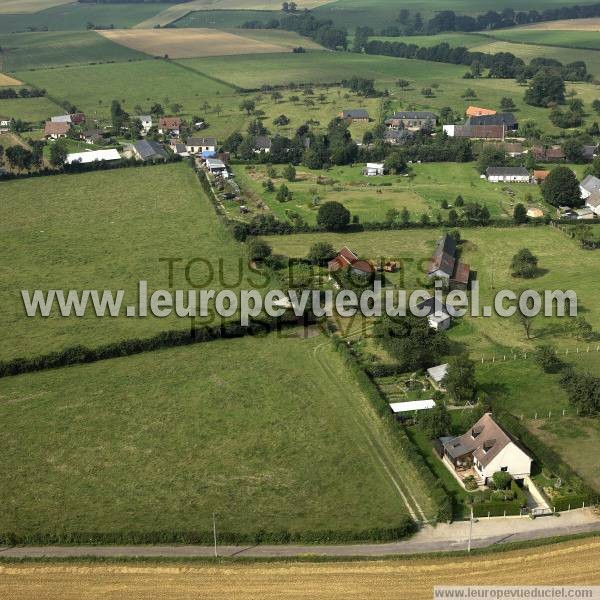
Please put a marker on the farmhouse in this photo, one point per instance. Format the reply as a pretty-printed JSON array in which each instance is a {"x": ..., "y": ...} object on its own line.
[
  {"x": 347, "y": 258},
  {"x": 476, "y": 132},
  {"x": 198, "y": 145},
  {"x": 436, "y": 312},
  {"x": 169, "y": 125},
  {"x": 412, "y": 120},
  {"x": 539, "y": 175},
  {"x": 146, "y": 121},
  {"x": 504, "y": 119},
  {"x": 262, "y": 143},
  {"x": 92, "y": 136},
  {"x": 486, "y": 449},
  {"x": 476, "y": 111},
  {"x": 179, "y": 149},
  {"x": 146, "y": 150},
  {"x": 507, "y": 174},
  {"x": 444, "y": 265},
  {"x": 436, "y": 376},
  {"x": 5, "y": 124},
  {"x": 92, "y": 156},
  {"x": 514, "y": 149},
  {"x": 552, "y": 154},
  {"x": 54, "y": 131},
  {"x": 398, "y": 136},
  {"x": 355, "y": 115},
  {"x": 73, "y": 119},
  {"x": 373, "y": 169}
]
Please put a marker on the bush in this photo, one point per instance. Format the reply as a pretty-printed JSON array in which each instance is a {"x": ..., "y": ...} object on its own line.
[
  {"x": 545, "y": 357},
  {"x": 502, "y": 480},
  {"x": 333, "y": 216}
]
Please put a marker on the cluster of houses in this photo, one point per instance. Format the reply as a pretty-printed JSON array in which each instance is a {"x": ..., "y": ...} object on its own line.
[{"x": 589, "y": 188}]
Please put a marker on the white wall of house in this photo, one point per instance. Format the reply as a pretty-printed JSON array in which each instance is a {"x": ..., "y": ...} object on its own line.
[
  {"x": 505, "y": 178},
  {"x": 584, "y": 193},
  {"x": 511, "y": 457},
  {"x": 449, "y": 130}
]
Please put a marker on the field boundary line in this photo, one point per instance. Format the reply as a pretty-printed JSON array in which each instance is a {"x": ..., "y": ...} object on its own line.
[
  {"x": 378, "y": 451},
  {"x": 197, "y": 72}
]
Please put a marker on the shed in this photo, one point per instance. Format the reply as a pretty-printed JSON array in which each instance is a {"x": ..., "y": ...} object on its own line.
[{"x": 411, "y": 406}]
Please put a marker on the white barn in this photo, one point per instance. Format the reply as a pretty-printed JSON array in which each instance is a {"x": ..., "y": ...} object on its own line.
[
  {"x": 91, "y": 156},
  {"x": 507, "y": 174}
]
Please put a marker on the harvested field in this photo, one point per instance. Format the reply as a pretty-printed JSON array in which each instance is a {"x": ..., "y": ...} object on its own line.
[
  {"x": 568, "y": 24},
  {"x": 28, "y": 6},
  {"x": 190, "y": 43},
  {"x": 8, "y": 80},
  {"x": 395, "y": 579}
]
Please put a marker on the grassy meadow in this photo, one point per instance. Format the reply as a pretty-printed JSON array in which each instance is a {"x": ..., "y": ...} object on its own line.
[
  {"x": 33, "y": 110},
  {"x": 422, "y": 192},
  {"x": 42, "y": 50},
  {"x": 589, "y": 40},
  {"x": 271, "y": 433},
  {"x": 103, "y": 230}
]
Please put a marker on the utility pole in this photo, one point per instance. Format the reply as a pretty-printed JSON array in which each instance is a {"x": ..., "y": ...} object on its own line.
[
  {"x": 470, "y": 531},
  {"x": 215, "y": 533}
]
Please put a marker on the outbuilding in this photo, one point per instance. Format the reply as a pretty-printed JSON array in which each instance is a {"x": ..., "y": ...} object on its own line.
[{"x": 507, "y": 175}]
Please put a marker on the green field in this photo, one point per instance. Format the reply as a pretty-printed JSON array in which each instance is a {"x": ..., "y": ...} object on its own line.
[
  {"x": 103, "y": 230},
  {"x": 30, "y": 109},
  {"x": 42, "y": 50},
  {"x": 92, "y": 88},
  {"x": 270, "y": 433},
  {"x": 275, "y": 69},
  {"x": 224, "y": 18},
  {"x": 371, "y": 197},
  {"x": 467, "y": 40},
  {"x": 589, "y": 40},
  {"x": 489, "y": 252},
  {"x": 75, "y": 16}
]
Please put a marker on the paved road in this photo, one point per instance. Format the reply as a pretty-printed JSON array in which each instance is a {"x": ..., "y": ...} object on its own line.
[{"x": 444, "y": 537}]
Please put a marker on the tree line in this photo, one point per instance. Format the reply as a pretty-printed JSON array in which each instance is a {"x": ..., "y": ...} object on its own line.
[
  {"x": 502, "y": 65},
  {"x": 321, "y": 31}
]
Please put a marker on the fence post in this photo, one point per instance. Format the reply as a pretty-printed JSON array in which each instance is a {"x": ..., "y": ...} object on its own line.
[{"x": 505, "y": 514}]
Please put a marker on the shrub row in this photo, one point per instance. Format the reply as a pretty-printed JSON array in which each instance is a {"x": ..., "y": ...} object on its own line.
[
  {"x": 441, "y": 499},
  {"x": 165, "y": 339},
  {"x": 546, "y": 456},
  {"x": 87, "y": 167},
  {"x": 497, "y": 508},
  {"x": 403, "y": 528}
]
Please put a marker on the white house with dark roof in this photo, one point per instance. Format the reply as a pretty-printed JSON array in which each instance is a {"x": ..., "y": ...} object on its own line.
[
  {"x": 4, "y": 124},
  {"x": 197, "y": 145},
  {"x": 590, "y": 192},
  {"x": 507, "y": 174},
  {"x": 486, "y": 449},
  {"x": 355, "y": 115}
]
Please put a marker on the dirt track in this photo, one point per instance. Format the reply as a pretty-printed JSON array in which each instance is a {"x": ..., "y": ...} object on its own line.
[{"x": 569, "y": 563}]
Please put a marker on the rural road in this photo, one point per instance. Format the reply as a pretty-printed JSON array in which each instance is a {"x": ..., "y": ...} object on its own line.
[{"x": 444, "y": 537}]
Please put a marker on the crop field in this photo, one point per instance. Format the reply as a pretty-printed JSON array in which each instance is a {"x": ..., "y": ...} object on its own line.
[
  {"x": 75, "y": 16},
  {"x": 323, "y": 580},
  {"x": 41, "y": 50},
  {"x": 371, "y": 197},
  {"x": 33, "y": 110},
  {"x": 569, "y": 24},
  {"x": 223, "y": 18},
  {"x": 586, "y": 39},
  {"x": 102, "y": 230},
  {"x": 190, "y": 43},
  {"x": 177, "y": 11},
  {"x": 529, "y": 51},
  {"x": 7, "y": 80},
  {"x": 28, "y": 6},
  {"x": 92, "y": 88},
  {"x": 280, "y": 37},
  {"x": 158, "y": 441}
]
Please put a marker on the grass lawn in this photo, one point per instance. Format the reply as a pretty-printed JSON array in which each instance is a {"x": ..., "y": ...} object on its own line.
[
  {"x": 223, "y": 18},
  {"x": 158, "y": 441},
  {"x": 103, "y": 230},
  {"x": 41, "y": 50},
  {"x": 370, "y": 198}
]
